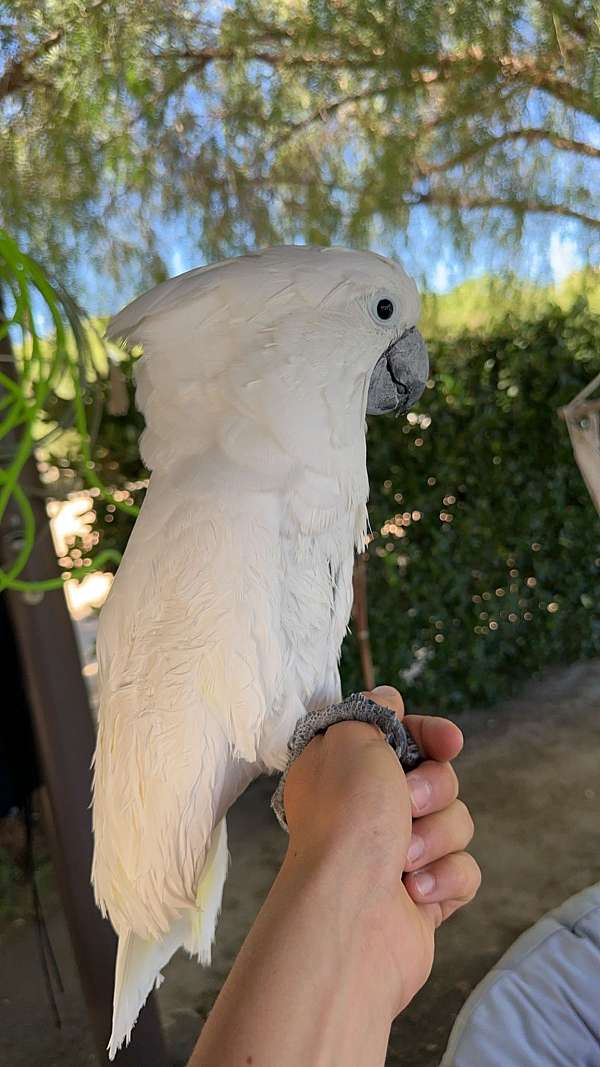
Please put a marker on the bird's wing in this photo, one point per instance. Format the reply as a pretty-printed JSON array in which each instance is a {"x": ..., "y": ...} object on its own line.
[{"x": 189, "y": 661}]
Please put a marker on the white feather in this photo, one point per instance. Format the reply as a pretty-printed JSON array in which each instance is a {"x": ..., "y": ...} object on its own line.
[
  {"x": 139, "y": 962},
  {"x": 226, "y": 618}
]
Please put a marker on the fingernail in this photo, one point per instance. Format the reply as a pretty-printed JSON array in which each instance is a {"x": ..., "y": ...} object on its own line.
[
  {"x": 420, "y": 791},
  {"x": 416, "y": 848},
  {"x": 425, "y": 883}
]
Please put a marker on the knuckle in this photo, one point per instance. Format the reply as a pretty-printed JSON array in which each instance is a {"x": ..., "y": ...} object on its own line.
[
  {"x": 466, "y": 819},
  {"x": 388, "y": 696},
  {"x": 463, "y": 877},
  {"x": 452, "y": 780},
  {"x": 437, "y": 914},
  {"x": 471, "y": 877},
  {"x": 477, "y": 876},
  {"x": 448, "y": 909}
]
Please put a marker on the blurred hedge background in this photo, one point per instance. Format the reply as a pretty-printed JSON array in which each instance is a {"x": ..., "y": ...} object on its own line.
[{"x": 486, "y": 546}]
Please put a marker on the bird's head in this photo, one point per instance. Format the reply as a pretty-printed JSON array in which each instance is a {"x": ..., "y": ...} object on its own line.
[{"x": 283, "y": 350}]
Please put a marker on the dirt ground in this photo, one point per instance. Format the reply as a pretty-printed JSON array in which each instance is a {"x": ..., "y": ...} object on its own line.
[{"x": 530, "y": 773}]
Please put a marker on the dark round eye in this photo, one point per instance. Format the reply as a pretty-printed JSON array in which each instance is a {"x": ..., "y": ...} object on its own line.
[{"x": 385, "y": 309}]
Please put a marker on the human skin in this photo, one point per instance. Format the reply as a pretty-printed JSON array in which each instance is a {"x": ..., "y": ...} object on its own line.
[{"x": 345, "y": 937}]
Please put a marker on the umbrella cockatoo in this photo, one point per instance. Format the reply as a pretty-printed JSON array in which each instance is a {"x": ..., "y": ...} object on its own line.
[{"x": 224, "y": 623}]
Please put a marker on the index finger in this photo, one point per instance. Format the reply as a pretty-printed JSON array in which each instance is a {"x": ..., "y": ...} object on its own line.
[
  {"x": 438, "y": 739},
  {"x": 387, "y": 697}
]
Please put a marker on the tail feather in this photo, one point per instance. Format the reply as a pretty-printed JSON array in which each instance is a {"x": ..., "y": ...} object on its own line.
[
  {"x": 137, "y": 973},
  {"x": 201, "y": 930},
  {"x": 139, "y": 962}
]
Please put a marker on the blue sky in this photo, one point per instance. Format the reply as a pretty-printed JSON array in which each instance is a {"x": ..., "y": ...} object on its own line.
[
  {"x": 551, "y": 248},
  {"x": 563, "y": 257},
  {"x": 549, "y": 254},
  {"x": 559, "y": 256}
]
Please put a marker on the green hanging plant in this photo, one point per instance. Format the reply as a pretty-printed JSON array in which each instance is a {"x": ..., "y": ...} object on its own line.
[{"x": 70, "y": 363}]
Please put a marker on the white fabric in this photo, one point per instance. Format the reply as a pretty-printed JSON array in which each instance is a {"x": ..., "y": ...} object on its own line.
[{"x": 540, "y": 1005}]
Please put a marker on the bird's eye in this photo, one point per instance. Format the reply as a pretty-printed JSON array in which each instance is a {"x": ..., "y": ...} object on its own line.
[{"x": 385, "y": 308}]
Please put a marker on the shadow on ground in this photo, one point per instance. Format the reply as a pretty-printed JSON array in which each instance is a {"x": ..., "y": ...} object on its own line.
[{"x": 531, "y": 775}]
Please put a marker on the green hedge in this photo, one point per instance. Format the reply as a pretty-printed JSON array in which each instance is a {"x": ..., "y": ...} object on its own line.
[
  {"x": 485, "y": 560},
  {"x": 486, "y": 550}
]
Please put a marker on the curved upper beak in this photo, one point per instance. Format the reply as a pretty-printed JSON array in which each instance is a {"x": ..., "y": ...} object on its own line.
[{"x": 399, "y": 376}]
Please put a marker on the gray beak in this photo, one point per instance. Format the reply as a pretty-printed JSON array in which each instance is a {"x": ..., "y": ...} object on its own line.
[{"x": 399, "y": 376}]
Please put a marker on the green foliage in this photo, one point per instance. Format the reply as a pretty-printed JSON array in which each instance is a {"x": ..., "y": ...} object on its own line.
[
  {"x": 46, "y": 389},
  {"x": 486, "y": 546},
  {"x": 484, "y": 304},
  {"x": 116, "y": 462},
  {"x": 254, "y": 122}
]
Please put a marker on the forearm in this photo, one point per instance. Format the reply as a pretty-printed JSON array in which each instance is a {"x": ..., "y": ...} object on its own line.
[{"x": 303, "y": 989}]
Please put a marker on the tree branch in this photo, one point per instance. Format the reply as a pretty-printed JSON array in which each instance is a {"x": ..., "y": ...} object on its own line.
[
  {"x": 425, "y": 68},
  {"x": 529, "y": 134},
  {"x": 526, "y": 68},
  {"x": 20, "y": 73},
  {"x": 215, "y": 53},
  {"x": 326, "y": 111},
  {"x": 516, "y": 67},
  {"x": 571, "y": 19},
  {"x": 467, "y": 202}
]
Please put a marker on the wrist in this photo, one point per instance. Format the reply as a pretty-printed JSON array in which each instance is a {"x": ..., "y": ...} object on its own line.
[
  {"x": 351, "y": 903},
  {"x": 361, "y": 854}
]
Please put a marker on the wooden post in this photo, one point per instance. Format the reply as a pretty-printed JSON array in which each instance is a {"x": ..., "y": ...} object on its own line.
[
  {"x": 360, "y": 614},
  {"x": 65, "y": 740}
]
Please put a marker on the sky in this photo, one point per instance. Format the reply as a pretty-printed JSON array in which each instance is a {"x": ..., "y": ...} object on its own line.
[
  {"x": 549, "y": 259},
  {"x": 545, "y": 261},
  {"x": 552, "y": 247},
  {"x": 563, "y": 257}
]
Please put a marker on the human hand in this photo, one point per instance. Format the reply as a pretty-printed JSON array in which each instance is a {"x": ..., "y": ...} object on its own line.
[{"x": 349, "y": 804}]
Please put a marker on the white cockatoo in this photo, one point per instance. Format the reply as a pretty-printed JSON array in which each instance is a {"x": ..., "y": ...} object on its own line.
[{"x": 225, "y": 620}]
